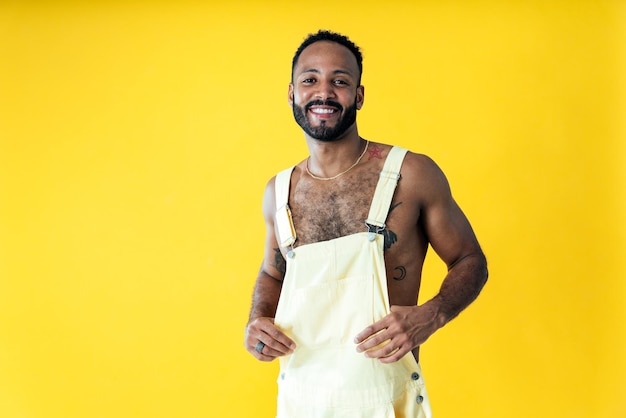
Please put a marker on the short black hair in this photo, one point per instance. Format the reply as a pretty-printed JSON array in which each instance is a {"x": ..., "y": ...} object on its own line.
[{"x": 325, "y": 35}]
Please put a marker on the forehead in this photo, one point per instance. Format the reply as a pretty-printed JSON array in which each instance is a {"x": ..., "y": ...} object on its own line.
[{"x": 327, "y": 56}]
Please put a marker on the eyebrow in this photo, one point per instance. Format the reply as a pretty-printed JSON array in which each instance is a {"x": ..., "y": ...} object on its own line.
[{"x": 315, "y": 70}]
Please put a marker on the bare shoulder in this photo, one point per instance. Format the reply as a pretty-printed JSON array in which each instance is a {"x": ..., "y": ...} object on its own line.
[
  {"x": 269, "y": 195},
  {"x": 421, "y": 166},
  {"x": 269, "y": 200},
  {"x": 423, "y": 178}
]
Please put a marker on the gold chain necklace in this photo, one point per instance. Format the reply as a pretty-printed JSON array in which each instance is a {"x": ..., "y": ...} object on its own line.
[{"x": 340, "y": 174}]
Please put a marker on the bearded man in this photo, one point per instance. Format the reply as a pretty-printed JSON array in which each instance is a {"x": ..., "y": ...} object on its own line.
[{"x": 348, "y": 229}]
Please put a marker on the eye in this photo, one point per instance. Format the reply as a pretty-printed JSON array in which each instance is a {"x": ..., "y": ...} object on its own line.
[
  {"x": 341, "y": 82},
  {"x": 309, "y": 80}
]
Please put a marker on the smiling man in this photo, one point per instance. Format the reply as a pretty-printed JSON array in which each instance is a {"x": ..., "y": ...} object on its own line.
[{"x": 347, "y": 231}]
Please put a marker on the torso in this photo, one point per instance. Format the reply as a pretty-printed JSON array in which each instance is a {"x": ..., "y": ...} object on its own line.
[{"x": 325, "y": 210}]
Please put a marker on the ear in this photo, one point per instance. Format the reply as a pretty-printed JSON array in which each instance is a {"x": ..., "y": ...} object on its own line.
[
  {"x": 360, "y": 97},
  {"x": 290, "y": 95}
]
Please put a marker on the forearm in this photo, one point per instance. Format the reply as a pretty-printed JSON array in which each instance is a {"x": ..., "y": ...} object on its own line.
[
  {"x": 408, "y": 327},
  {"x": 263, "y": 339},
  {"x": 265, "y": 297},
  {"x": 461, "y": 286}
]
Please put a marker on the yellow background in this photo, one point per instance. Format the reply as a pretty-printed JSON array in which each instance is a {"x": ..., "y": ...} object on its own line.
[{"x": 135, "y": 141}]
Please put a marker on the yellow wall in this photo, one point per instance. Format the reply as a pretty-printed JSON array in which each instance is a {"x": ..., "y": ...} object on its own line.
[{"x": 135, "y": 141}]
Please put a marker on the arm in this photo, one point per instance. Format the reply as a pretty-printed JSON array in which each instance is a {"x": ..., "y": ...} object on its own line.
[
  {"x": 267, "y": 289},
  {"x": 451, "y": 236}
]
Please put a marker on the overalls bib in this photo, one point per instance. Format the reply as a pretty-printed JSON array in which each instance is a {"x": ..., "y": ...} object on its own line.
[{"x": 332, "y": 290}]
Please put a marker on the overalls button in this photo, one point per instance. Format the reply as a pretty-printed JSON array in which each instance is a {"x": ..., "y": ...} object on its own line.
[
  {"x": 291, "y": 254},
  {"x": 371, "y": 236},
  {"x": 415, "y": 376},
  {"x": 419, "y": 399}
]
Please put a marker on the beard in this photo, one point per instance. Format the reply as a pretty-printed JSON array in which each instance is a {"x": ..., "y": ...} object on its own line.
[{"x": 323, "y": 132}]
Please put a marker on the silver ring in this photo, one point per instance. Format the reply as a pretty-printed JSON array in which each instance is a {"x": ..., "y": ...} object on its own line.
[{"x": 259, "y": 347}]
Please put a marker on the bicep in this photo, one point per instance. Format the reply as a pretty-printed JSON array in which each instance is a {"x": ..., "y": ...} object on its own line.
[
  {"x": 446, "y": 226},
  {"x": 274, "y": 263}
]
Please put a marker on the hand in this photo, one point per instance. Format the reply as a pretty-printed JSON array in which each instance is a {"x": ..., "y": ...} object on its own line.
[
  {"x": 276, "y": 343},
  {"x": 404, "y": 329}
]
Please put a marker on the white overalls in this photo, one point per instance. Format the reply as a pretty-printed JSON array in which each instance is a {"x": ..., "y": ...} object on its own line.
[{"x": 332, "y": 290}]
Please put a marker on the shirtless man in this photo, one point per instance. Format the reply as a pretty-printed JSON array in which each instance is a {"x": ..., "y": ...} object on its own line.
[{"x": 329, "y": 197}]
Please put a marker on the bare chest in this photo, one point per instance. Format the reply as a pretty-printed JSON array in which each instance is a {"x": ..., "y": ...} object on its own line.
[{"x": 327, "y": 210}]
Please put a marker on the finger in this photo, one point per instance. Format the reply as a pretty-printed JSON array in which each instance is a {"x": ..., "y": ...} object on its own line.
[
  {"x": 270, "y": 352},
  {"x": 261, "y": 351},
  {"x": 371, "y": 330},
  {"x": 374, "y": 341},
  {"x": 274, "y": 348},
  {"x": 384, "y": 349},
  {"x": 395, "y": 356},
  {"x": 276, "y": 340},
  {"x": 264, "y": 330},
  {"x": 391, "y": 352},
  {"x": 251, "y": 345},
  {"x": 263, "y": 357}
]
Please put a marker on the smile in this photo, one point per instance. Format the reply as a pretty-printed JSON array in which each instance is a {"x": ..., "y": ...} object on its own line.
[{"x": 323, "y": 111}]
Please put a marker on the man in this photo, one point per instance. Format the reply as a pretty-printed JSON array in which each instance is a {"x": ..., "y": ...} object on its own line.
[{"x": 347, "y": 233}]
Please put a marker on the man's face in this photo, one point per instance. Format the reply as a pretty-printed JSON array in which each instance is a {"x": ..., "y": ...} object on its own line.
[{"x": 325, "y": 94}]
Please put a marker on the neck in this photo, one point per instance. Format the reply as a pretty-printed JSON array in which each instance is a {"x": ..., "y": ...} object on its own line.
[{"x": 331, "y": 158}]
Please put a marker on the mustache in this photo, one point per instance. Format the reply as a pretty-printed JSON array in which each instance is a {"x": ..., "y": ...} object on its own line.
[{"x": 322, "y": 103}]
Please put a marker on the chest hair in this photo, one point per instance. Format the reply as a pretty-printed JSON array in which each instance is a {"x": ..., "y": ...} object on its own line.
[{"x": 325, "y": 210}]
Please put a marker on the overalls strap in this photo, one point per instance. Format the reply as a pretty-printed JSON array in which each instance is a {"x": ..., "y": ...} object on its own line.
[
  {"x": 286, "y": 231},
  {"x": 385, "y": 189}
]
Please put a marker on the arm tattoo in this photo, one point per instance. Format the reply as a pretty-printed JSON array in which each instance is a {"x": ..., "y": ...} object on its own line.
[
  {"x": 390, "y": 236},
  {"x": 402, "y": 273},
  {"x": 279, "y": 261},
  {"x": 393, "y": 207}
]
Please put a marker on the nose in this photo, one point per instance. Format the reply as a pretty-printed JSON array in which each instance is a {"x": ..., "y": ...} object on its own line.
[{"x": 325, "y": 91}]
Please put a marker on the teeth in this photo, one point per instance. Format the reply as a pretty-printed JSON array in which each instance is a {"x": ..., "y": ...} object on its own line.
[{"x": 323, "y": 111}]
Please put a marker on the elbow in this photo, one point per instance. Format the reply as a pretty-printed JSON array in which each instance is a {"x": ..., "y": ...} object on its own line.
[
  {"x": 475, "y": 266},
  {"x": 483, "y": 269}
]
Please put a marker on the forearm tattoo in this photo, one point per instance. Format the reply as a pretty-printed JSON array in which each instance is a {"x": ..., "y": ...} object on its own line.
[{"x": 279, "y": 261}]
